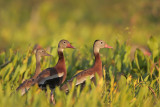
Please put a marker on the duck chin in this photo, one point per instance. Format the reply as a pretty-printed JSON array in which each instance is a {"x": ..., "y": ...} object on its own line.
[
  {"x": 96, "y": 50},
  {"x": 60, "y": 49}
]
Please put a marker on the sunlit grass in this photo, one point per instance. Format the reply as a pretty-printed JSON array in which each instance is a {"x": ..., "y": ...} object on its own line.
[
  {"x": 128, "y": 81},
  {"x": 125, "y": 83}
]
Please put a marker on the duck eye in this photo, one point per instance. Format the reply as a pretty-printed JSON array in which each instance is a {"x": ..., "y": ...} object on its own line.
[
  {"x": 64, "y": 42},
  {"x": 101, "y": 42}
]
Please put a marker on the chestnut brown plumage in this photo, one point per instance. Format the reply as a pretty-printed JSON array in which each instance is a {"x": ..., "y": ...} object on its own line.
[
  {"x": 54, "y": 76},
  {"x": 97, "y": 67},
  {"x": 27, "y": 83}
]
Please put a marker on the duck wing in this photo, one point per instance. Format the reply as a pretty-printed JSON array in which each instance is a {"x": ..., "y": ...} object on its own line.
[{"x": 50, "y": 77}]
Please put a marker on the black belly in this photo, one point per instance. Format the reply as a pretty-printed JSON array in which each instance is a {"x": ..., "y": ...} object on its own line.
[{"x": 52, "y": 83}]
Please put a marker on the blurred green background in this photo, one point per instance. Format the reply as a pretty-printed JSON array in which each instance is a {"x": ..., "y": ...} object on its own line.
[{"x": 27, "y": 22}]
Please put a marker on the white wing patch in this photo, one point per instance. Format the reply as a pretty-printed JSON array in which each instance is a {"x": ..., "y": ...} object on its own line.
[
  {"x": 81, "y": 80},
  {"x": 51, "y": 77}
]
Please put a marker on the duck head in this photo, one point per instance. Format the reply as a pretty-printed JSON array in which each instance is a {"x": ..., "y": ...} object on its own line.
[
  {"x": 64, "y": 44},
  {"x": 98, "y": 44},
  {"x": 41, "y": 52}
]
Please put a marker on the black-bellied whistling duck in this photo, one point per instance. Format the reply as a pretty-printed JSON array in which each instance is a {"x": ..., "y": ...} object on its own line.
[
  {"x": 54, "y": 76},
  {"x": 97, "y": 67},
  {"x": 37, "y": 46},
  {"x": 27, "y": 83},
  {"x": 144, "y": 49}
]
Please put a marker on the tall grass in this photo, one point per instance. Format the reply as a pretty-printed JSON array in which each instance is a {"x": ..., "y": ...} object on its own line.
[
  {"x": 125, "y": 82},
  {"x": 121, "y": 24}
]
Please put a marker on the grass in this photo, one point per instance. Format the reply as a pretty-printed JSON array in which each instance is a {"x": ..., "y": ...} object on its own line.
[
  {"x": 125, "y": 83},
  {"x": 122, "y": 24}
]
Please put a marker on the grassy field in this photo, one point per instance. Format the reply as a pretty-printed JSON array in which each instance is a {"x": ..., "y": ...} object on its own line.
[{"x": 122, "y": 24}]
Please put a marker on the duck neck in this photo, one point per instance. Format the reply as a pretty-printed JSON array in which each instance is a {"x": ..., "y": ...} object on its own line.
[
  {"x": 38, "y": 66},
  {"x": 98, "y": 62},
  {"x": 61, "y": 67},
  {"x": 61, "y": 60}
]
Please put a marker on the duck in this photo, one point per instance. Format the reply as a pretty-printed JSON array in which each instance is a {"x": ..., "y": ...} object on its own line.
[
  {"x": 40, "y": 52},
  {"x": 146, "y": 51},
  {"x": 37, "y": 46},
  {"x": 90, "y": 73},
  {"x": 54, "y": 76}
]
